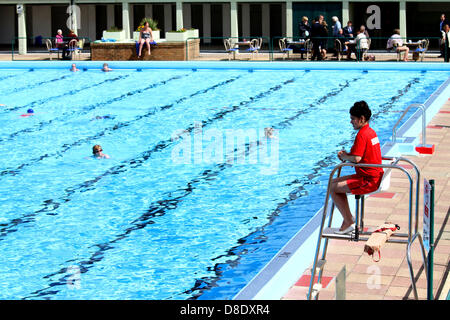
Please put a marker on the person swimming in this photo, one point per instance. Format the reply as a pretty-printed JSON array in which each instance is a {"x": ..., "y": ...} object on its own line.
[
  {"x": 30, "y": 112},
  {"x": 74, "y": 68},
  {"x": 102, "y": 117},
  {"x": 106, "y": 68},
  {"x": 268, "y": 133},
  {"x": 97, "y": 152}
]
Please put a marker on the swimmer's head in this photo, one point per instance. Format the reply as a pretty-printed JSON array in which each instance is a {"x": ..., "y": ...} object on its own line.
[
  {"x": 268, "y": 132},
  {"x": 96, "y": 149},
  {"x": 30, "y": 111}
]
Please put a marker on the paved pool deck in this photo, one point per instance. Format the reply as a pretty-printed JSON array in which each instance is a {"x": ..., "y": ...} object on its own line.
[{"x": 389, "y": 278}]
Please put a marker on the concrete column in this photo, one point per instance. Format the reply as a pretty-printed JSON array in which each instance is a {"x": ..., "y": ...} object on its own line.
[
  {"x": 289, "y": 17},
  {"x": 168, "y": 17},
  {"x": 126, "y": 19},
  {"x": 110, "y": 16},
  {"x": 266, "y": 20},
  {"x": 246, "y": 20},
  {"x": 207, "y": 21},
  {"x": 402, "y": 19},
  {"x": 22, "y": 29},
  {"x": 345, "y": 13},
  {"x": 179, "y": 15},
  {"x": 234, "y": 19}
]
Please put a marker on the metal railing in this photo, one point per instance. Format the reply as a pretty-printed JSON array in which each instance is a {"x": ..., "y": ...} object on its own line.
[
  {"x": 272, "y": 48},
  {"x": 248, "y": 48},
  {"x": 412, "y": 235}
]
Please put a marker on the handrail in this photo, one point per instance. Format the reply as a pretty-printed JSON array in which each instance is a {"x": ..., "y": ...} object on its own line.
[{"x": 422, "y": 107}]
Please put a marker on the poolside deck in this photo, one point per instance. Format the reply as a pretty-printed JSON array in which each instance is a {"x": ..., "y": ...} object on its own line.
[{"x": 393, "y": 283}]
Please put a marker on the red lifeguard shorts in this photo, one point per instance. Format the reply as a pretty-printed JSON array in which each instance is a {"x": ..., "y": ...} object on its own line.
[{"x": 359, "y": 184}]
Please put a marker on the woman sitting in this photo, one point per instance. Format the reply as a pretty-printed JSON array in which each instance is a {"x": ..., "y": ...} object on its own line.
[
  {"x": 145, "y": 36},
  {"x": 395, "y": 41}
]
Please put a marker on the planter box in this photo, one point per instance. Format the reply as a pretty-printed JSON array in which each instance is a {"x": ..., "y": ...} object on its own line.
[
  {"x": 193, "y": 33},
  {"x": 181, "y": 36},
  {"x": 176, "y": 36},
  {"x": 118, "y": 35},
  {"x": 156, "y": 35}
]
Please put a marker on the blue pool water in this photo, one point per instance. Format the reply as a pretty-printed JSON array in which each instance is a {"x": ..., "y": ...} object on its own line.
[{"x": 179, "y": 211}]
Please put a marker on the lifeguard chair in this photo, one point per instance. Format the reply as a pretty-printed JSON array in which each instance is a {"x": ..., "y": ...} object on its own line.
[{"x": 357, "y": 235}]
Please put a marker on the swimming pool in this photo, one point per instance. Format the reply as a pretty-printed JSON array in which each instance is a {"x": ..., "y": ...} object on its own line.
[{"x": 194, "y": 200}]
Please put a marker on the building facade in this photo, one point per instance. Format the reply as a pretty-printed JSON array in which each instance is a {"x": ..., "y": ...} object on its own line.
[{"x": 32, "y": 18}]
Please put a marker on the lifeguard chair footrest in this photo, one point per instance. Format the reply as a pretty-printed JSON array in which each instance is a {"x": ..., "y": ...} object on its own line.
[{"x": 330, "y": 233}]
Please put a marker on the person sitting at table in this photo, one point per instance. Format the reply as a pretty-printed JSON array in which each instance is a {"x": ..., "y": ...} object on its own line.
[
  {"x": 145, "y": 36},
  {"x": 72, "y": 35},
  {"x": 395, "y": 41},
  {"x": 59, "y": 39},
  {"x": 344, "y": 41}
]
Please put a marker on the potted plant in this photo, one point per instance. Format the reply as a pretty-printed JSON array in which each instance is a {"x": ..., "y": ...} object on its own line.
[
  {"x": 153, "y": 24},
  {"x": 181, "y": 34},
  {"x": 114, "y": 33}
]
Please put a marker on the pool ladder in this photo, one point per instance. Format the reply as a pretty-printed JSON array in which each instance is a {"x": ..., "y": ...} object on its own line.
[{"x": 359, "y": 233}]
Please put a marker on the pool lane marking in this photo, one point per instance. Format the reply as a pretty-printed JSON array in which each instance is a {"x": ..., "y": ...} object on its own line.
[
  {"x": 35, "y": 85},
  {"x": 137, "y": 224},
  {"x": 68, "y": 93},
  {"x": 91, "y": 107},
  {"x": 13, "y": 75},
  {"x": 117, "y": 126}
]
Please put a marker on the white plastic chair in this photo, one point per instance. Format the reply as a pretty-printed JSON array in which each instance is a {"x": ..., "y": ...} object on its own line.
[
  {"x": 229, "y": 49},
  {"x": 50, "y": 48},
  {"x": 284, "y": 50}
]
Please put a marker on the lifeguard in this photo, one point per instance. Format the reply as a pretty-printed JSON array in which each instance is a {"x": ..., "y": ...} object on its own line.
[{"x": 365, "y": 149}]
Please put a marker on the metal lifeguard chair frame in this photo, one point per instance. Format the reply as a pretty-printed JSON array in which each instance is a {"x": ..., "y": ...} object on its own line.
[{"x": 407, "y": 238}]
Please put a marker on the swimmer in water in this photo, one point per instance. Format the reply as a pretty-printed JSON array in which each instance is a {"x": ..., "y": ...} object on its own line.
[
  {"x": 98, "y": 154},
  {"x": 30, "y": 112},
  {"x": 74, "y": 68},
  {"x": 102, "y": 117},
  {"x": 268, "y": 133},
  {"x": 106, "y": 68}
]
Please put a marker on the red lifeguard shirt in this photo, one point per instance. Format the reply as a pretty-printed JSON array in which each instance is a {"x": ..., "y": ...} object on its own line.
[{"x": 367, "y": 146}]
